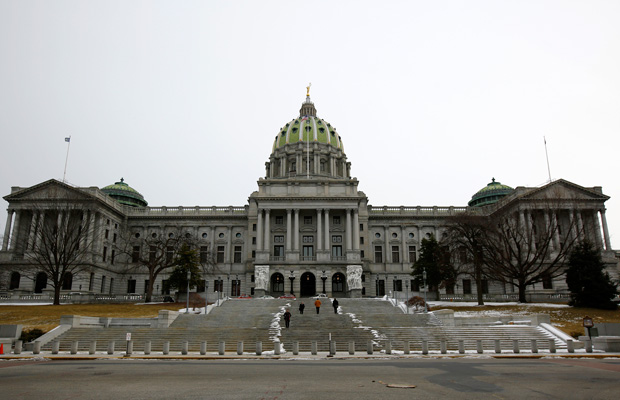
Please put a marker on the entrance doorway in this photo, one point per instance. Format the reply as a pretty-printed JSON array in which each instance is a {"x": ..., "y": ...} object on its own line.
[
  {"x": 277, "y": 284},
  {"x": 307, "y": 285},
  {"x": 338, "y": 284}
]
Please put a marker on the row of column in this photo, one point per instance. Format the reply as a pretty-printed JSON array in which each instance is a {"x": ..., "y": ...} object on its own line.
[
  {"x": 576, "y": 224},
  {"x": 352, "y": 232},
  {"x": 333, "y": 166}
]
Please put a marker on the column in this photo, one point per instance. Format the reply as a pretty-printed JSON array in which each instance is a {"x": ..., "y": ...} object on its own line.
[
  {"x": 319, "y": 229},
  {"x": 259, "y": 230},
  {"x": 289, "y": 232},
  {"x": 556, "y": 230},
  {"x": 522, "y": 219},
  {"x": 605, "y": 231},
  {"x": 580, "y": 224},
  {"x": 571, "y": 221},
  {"x": 229, "y": 249},
  {"x": 7, "y": 229},
  {"x": 267, "y": 237},
  {"x": 349, "y": 230},
  {"x": 356, "y": 230},
  {"x": 296, "y": 230},
  {"x": 15, "y": 233},
  {"x": 33, "y": 229},
  {"x": 388, "y": 249},
  {"x": 548, "y": 228},
  {"x": 41, "y": 223},
  {"x": 327, "y": 246},
  {"x": 404, "y": 250},
  {"x": 597, "y": 229}
]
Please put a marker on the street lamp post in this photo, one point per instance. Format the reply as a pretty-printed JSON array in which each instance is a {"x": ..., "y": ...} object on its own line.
[
  {"x": 189, "y": 275},
  {"x": 425, "y": 289},
  {"x": 407, "y": 297},
  {"x": 228, "y": 279},
  {"x": 292, "y": 278},
  {"x": 238, "y": 285},
  {"x": 394, "y": 290},
  {"x": 219, "y": 284},
  {"x": 377, "y": 285},
  {"x": 206, "y": 295},
  {"x": 324, "y": 278}
]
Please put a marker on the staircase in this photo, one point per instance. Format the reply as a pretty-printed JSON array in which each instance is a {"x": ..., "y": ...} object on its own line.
[{"x": 359, "y": 320}]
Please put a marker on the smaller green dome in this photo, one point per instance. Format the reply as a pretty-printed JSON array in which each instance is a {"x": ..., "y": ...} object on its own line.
[
  {"x": 490, "y": 194},
  {"x": 125, "y": 194}
]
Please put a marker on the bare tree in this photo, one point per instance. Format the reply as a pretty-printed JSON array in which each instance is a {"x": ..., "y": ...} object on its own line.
[
  {"x": 522, "y": 252},
  {"x": 61, "y": 246},
  {"x": 155, "y": 253},
  {"x": 465, "y": 238}
]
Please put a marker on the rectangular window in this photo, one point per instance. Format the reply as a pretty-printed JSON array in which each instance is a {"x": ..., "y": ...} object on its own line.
[
  {"x": 220, "y": 254},
  {"x": 337, "y": 239},
  {"x": 107, "y": 233},
  {"x": 235, "y": 288},
  {"x": 466, "y": 286},
  {"x": 279, "y": 220},
  {"x": 131, "y": 286},
  {"x": 111, "y": 285},
  {"x": 308, "y": 220},
  {"x": 253, "y": 253},
  {"x": 204, "y": 254},
  {"x": 169, "y": 254},
  {"x": 91, "y": 281},
  {"x": 361, "y": 240},
  {"x": 218, "y": 285},
  {"x": 237, "y": 255},
  {"x": 102, "y": 284},
  {"x": 395, "y": 254},
  {"x": 278, "y": 251},
  {"x": 412, "y": 254},
  {"x": 278, "y": 239},
  {"x": 415, "y": 286},
  {"x": 378, "y": 254},
  {"x": 308, "y": 239},
  {"x": 336, "y": 220},
  {"x": 254, "y": 240},
  {"x": 105, "y": 253},
  {"x": 485, "y": 286},
  {"x": 252, "y": 279},
  {"x": 362, "y": 253},
  {"x": 67, "y": 281},
  {"x": 547, "y": 282},
  {"x": 449, "y": 288},
  {"x": 165, "y": 287},
  {"x": 135, "y": 254},
  {"x": 152, "y": 254},
  {"x": 308, "y": 251},
  {"x": 380, "y": 287},
  {"x": 337, "y": 251},
  {"x": 254, "y": 227},
  {"x": 398, "y": 285},
  {"x": 114, "y": 238},
  {"x": 112, "y": 257},
  {"x": 361, "y": 227}
]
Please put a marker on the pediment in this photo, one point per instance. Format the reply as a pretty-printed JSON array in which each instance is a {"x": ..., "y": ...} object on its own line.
[
  {"x": 48, "y": 191},
  {"x": 564, "y": 190}
]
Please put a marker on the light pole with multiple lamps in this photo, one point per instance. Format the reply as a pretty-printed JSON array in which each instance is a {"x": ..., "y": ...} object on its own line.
[
  {"x": 407, "y": 297},
  {"x": 323, "y": 278},
  {"x": 206, "y": 295},
  {"x": 228, "y": 278},
  {"x": 189, "y": 275},
  {"x": 292, "y": 278},
  {"x": 425, "y": 289}
]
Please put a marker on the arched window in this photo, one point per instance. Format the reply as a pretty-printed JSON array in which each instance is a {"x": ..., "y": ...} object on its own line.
[{"x": 15, "y": 278}]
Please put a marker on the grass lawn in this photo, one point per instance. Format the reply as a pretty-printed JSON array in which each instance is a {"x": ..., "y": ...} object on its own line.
[
  {"x": 568, "y": 319},
  {"x": 47, "y": 317}
]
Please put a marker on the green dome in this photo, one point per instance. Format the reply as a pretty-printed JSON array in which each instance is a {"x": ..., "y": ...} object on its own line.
[
  {"x": 490, "y": 194},
  {"x": 308, "y": 127},
  {"x": 125, "y": 194}
]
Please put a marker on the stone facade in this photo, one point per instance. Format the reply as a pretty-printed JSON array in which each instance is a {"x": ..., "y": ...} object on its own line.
[{"x": 307, "y": 226}]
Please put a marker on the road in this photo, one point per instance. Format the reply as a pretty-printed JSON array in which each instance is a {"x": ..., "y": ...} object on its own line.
[{"x": 476, "y": 378}]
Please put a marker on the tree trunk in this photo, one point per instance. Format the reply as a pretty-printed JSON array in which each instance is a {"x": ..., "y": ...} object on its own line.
[
  {"x": 57, "y": 295},
  {"x": 522, "y": 288},
  {"x": 149, "y": 288},
  {"x": 478, "y": 273}
]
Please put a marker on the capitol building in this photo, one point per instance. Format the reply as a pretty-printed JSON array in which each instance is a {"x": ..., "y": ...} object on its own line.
[{"x": 306, "y": 229}]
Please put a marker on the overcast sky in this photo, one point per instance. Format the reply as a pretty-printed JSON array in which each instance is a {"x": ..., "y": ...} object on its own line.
[{"x": 431, "y": 98}]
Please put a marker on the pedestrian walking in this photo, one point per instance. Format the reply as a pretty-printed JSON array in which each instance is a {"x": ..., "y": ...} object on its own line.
[
  {"x": 335, "y": 304},
  {"x": 317, "y": 304},
  {"x": 301, "y": 307},
  {"x": 287, "y": 318}
]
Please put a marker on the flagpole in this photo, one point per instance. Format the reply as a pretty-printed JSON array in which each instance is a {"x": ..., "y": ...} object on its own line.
[
  {"x": 64, "y": 175},
  {"x": 547, "y": 155}
]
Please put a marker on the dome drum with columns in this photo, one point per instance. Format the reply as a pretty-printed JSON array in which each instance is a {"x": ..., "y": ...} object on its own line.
[{"x": 306, "y": 230}]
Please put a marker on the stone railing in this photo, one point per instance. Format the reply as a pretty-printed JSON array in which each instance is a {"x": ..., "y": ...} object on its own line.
[
  {"x": 419, "y": 210},
  {"x": 189, "y": 211}
]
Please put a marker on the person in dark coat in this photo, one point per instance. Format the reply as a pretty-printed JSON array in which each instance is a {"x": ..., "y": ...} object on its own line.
[
  {"x": 335, "y": 304},
  {"x": 301, "y": 307},
  {"x": 287, "y": 318}
]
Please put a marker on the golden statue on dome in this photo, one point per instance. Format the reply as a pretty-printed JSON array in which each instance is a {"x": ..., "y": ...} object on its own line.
[{"x": 308, "y": 89}]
